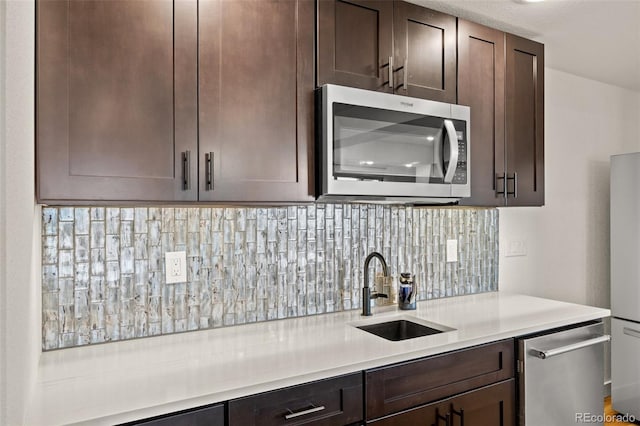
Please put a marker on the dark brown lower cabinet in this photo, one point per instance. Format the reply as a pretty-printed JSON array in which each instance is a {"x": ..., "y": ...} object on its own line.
[
  {"x": 204, "y": 416},
  {"x": 392, "y": 389},
  {"x": 332, "y": 402},
  {"x": 492, "y": 405}
]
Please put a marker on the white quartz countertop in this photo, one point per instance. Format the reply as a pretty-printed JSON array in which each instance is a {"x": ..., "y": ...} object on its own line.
[{"x": 124, "y": 381}]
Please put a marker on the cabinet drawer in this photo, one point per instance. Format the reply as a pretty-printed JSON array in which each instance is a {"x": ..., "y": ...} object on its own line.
[
  {"x": 205, "y": 416},
  {"x": 335, "y": 401},
  {"x": 492, "y": 405},
  {"x": 403, "y": 386}
]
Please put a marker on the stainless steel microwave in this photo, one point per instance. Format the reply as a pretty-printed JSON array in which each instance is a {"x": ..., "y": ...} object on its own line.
[{"x": 384, "y": 147}]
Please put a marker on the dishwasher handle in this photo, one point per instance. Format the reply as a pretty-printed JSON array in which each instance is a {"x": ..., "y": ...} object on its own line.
[{"x": 568, "y": 348}]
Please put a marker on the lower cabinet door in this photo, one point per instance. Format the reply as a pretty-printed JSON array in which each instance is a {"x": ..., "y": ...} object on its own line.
[
  {"x": 492, "y": 405},
  {"x": 332, "y": 402},
  {"x": 205, "y": 416}
]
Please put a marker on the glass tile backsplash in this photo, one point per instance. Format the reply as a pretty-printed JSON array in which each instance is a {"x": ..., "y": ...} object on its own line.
[{"x": 103, "y": 273}]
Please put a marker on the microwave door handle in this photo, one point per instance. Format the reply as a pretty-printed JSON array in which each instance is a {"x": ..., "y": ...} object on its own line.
[{"x": 453, "y": 151}]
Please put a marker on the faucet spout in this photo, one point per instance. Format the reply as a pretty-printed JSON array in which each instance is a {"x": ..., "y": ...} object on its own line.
[{"x": 366, "y": 291}]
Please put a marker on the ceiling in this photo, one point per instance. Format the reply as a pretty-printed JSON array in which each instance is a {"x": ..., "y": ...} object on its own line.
[{"x": 596, "y": 39}]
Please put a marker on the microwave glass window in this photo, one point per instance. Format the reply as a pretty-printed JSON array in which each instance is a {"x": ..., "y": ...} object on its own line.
[{"x": 377, "y": 144}]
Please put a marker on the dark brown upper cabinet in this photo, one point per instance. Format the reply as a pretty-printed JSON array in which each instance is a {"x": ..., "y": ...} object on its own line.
[
  {"x": 501, "y": 77},
  {"x": 395, "y": 47},
  {"x": 355, "y": 43},
  {"x": 424, "y": 52},
  {"x": 116, "y": 100},
  {"x": 256, "y": 100},
  {"x": 174, "y": 100},
  {"x": 524, "y": 177},
  {"x": 481, "y": 69}
]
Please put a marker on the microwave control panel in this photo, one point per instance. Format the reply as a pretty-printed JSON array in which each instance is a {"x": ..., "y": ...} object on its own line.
[{"x": 460, "y": 176}]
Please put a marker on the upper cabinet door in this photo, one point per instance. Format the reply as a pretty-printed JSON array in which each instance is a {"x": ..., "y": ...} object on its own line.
[
  {"x": 355, "y": 42},
  {"x": 116, "y": 100},
  {"x": 256, "y": 100},
  {"x": 524, "y": 122},
  {"x": 481, "y": 68},
  {"x": 425, "y": 53}
]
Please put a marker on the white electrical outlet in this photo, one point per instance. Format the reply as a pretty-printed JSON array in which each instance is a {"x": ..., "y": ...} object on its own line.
[
  {"x": 452, "y": 250},
  {"x": 175, "y": 266}
]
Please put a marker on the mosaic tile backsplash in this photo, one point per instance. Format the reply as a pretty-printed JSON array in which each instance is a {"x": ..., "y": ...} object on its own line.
[{"x": 103, "y": 267}]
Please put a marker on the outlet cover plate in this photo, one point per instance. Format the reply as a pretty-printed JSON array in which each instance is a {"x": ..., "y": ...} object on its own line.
[
  {"x": 452, "y": 250},
  {"x": 175, "y": 266}
]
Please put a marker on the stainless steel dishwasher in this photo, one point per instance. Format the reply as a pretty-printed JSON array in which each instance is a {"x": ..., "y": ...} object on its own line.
[{"x": 561, "y": 377}]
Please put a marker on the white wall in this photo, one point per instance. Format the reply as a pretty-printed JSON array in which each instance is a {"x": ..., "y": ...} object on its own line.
[
  {"x": 568, "y": 239},
  {"x": 3, "y": 388},
  {"x": 19, "y": 238}
]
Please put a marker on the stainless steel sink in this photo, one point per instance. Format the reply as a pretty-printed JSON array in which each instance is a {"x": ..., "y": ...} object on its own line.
[{"x": 399, "y": 330}]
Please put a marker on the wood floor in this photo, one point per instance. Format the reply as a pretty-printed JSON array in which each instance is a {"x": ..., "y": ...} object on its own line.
[{"x": 609, "y": 413}]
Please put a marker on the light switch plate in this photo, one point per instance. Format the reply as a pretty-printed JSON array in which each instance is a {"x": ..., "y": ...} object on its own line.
[
  {"x": 175, "y": 266},
  {"x": 452, "y": 250},
  {"x": 516, "y": 248}
]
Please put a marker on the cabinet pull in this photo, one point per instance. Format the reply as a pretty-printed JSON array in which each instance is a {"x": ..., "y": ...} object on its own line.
[
  {"x": 446, "y": 418},
  {"x": 390, "y": 72},
  {"x": 405, "y": 78},
  {"x": 458, "y": 413},
  {"x": 504, "y": 185},
  {"x": 313, "y": 409},
  {"x": 514, "y": 178},
  {"x": 186, "y": 168},
  {"x": 403, "y": 68},
  {"x": 208, "y": 159}
]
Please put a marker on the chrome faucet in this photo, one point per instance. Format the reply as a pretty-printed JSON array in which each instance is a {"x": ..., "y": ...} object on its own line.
[{"x": 366, "y": 291}]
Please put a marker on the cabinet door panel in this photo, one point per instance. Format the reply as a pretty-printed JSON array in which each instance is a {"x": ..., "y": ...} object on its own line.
[
  {"x": 206, "y": 416},
  {"x": 355, "y": 43},
  {"x": 335, "y": 401},
  {"x": 525, "y": 122},
  {"x": 493, "y": 405},
  {"x": 256, "y": 99},
  {"x": 481, "y": 68},
  {"x": 398, "y": 387},
  {"x": 426, "y": 39},
  {"x": 116, "y": 99}
]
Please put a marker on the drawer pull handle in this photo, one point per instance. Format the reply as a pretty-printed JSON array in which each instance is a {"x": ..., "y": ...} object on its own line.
[
  {"x": 458, "y": 413},
  {"x": 631, "y": 332},
  {"x": 446, "y": 418},
  {"x": 563, "y": 349},
  {"x": 313, "y": 409}
]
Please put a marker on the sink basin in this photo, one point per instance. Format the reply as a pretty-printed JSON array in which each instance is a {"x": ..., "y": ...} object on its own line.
[{"x": 399, "y": 330}]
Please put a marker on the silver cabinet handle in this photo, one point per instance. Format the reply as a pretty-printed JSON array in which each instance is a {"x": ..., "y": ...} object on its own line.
[
  {"x": 391, "y": 72},
  {"x": 453, "y": 151},
  {"x": 564, "y": 349},
  {"x": 293, "y": 415},
  {"x": 631, "y": 332}
]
